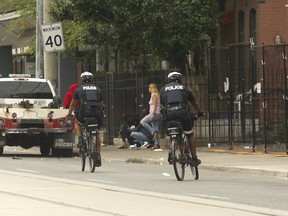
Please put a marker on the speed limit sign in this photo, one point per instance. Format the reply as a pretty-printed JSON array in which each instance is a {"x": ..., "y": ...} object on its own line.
[{"x": 53, "y": 39}]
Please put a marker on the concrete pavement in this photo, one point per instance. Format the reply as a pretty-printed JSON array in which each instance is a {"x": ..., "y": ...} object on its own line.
[
  {"x": 212, "y": 159},
  {"x": 31, "y": 194}
]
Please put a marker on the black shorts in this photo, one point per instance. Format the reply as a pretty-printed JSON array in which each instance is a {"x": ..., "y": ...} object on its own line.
[
  {"x": 184, "y": 116},
  {"x": 98, "y": 115}
]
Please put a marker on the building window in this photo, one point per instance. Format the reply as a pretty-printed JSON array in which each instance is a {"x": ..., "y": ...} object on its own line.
[
  {"x": 252, "y": 24},
  {"x": 222, "y": 5},
  {"x": 241, "y": 52},
  {"x": 241, "y": 27}
]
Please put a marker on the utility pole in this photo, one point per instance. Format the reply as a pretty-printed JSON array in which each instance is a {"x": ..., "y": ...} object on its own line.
[
  {"x": 50, "y": 58},
  {"x": 39, "y": 47}
]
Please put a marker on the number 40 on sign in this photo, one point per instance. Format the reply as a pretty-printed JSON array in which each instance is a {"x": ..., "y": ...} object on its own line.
[{"x": 53, "y": 37}]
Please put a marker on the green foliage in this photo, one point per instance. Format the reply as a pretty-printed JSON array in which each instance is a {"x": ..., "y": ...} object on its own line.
[
  {"x": 25, "y": 8},
  {"x": 167, "y": 29},
  {"x": 27, "y": 11}
]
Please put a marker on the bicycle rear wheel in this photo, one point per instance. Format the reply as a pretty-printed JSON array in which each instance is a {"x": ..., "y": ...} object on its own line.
[
  {"x": 83, "y": 159},
  {"x": 91, "y": 163},
  {"x": 194, "y": 169},
  {"x": 195, "y": 172},
  {"x": 92, "y": 155},
  {"x": 179, "y": 168}
]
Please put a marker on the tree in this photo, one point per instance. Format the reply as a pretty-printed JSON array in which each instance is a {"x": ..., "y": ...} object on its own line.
[
  {"x": 169, "y": 30},
  {"x": 26, "y": 10}
]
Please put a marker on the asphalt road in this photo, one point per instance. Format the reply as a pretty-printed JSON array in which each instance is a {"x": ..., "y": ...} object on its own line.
[{"x": 228, "y": 188}]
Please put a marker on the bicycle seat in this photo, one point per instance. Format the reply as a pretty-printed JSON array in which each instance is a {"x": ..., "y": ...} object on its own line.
[
  {"x": 174, "y": 127},
  {"x": 91, "y": 123}
]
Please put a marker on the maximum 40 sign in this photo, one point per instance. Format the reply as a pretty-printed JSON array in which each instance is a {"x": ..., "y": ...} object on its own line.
[{"x": 53, "y": 39}]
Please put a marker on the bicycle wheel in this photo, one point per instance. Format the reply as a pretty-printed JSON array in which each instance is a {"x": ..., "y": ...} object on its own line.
[
  {"x": 195, "y": 172},
  {"x": 92, "y": 150},
  {"x": 194, "y": 169},
  {"x": 91, "y": 163},
  {"x": 179, "y": 168},
  {"x": 83, "y": 159}
]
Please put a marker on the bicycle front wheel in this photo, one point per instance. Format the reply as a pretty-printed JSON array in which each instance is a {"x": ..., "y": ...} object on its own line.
[{"x": 179, "y": 168}]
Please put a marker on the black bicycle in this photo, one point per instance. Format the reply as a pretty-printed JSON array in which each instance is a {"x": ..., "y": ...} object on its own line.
[
  {"x": 89, "y": 138},
  {"x": 180, "y": 155}
]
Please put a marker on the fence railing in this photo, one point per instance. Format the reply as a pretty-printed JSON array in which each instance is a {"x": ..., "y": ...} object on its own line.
[
  {"x": 248, "y": 96},
  {"x": 243, "y": 93}
]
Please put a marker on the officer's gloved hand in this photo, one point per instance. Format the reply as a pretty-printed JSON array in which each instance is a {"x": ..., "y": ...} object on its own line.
[{"x": 200, "y": 114}]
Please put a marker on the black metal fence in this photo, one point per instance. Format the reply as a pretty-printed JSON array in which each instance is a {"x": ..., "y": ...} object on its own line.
[
  {"x": 243, "y": 93},
  {"x": 128, "y": 92},
  {"x": 248, "y": 96}
]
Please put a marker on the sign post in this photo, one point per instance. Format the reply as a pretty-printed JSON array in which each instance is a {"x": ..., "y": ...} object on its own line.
[{"x": 53, "y": 41}]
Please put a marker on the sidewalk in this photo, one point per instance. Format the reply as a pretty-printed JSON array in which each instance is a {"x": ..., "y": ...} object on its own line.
[{"x": 212, "y": 159}]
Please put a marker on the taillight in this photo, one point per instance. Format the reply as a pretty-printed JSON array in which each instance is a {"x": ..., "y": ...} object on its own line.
[
  {"x": 14, "y": 115},
  {"x": 69, "y": 122},
  {"x": 50, "y": 116},
  {"x": 61, "y": 122}
]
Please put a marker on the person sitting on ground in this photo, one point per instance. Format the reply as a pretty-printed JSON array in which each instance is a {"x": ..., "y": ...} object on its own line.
[
  {"x": 124, "y": 132},
  {"x": 141, "y": 134}
]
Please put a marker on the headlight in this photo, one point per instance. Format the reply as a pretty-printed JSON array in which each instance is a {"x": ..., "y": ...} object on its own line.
[{"x": 2, "y": 122}]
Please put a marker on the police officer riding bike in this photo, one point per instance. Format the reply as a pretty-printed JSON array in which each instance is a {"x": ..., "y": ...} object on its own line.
[
  {"x": 91, "y": 106},
  {"x": 176, "y": 98}
]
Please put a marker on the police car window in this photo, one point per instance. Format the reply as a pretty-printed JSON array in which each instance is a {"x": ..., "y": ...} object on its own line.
[{"x": 23, "y": 89}]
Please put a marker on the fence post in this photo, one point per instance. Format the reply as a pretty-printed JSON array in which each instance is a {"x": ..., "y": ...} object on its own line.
[
  {"x": 231, "y": 102},
  {"x": 285, "y": 95},
  {"x": 264, "y": 98},
  {"x": 253, "y": 93},
  {"x": 209, "y": 92}
]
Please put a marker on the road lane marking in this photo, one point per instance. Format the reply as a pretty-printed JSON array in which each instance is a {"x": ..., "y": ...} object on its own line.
[
  {"x": 209, "y": 196},
  {"x": 95, "y": 180},
  {"x": 29, "y": 171}
]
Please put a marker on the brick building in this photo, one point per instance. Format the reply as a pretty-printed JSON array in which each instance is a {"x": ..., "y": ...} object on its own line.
[
  {"x": 262, "y": 19},
  {"x": 250, "y": 57}
]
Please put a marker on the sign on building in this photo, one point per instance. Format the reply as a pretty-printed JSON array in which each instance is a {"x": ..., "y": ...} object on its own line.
[{"x": 53, "y": 39}]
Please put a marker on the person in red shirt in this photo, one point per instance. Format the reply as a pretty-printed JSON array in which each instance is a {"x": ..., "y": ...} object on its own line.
[{"x": 69, "y": 95}]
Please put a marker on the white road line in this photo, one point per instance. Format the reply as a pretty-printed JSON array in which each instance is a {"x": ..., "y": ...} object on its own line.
[
  {"x": 213, "y": 197},
  {"x": 29, "y": 171},
  {"x": 95, "y": 180}
]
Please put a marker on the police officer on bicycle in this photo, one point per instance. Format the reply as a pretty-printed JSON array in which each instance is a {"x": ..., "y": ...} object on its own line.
[
  {"x": 175, "y": 99},
  {"x": 91, "y": 105}
]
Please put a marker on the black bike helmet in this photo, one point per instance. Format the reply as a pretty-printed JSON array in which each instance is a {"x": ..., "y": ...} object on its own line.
[
  {"x": 174, "y": 76},
  {"x": 86, "y": 76}
]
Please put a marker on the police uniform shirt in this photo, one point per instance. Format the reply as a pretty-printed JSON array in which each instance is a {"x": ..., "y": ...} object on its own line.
[
  {"x": 91, "y": 91},
  {"x": 175, "y": 93}
]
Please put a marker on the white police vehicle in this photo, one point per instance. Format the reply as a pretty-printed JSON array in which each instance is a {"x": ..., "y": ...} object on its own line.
[{"x": 30, "y": 116}]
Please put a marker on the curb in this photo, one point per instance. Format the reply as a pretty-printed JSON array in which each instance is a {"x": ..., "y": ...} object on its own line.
[{"x": 271, "y": 173}]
